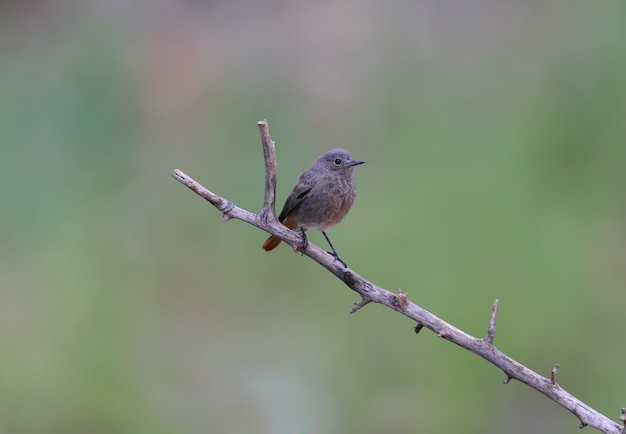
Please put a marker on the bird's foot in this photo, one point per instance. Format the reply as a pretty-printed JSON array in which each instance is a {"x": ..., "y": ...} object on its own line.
[
  {"x": 305, "y": 242},
  {"x": 338, "y": 259}
]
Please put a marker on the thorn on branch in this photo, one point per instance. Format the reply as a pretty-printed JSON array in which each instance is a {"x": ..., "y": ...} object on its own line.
[
  {"x": 418, "y": 327},
  {"x": 507, "y": 379},
  {"x": 553, "y": 373},
  {"x": 442, "y": 334},
  {"x": 491, "y": 331},
  {"x": 623, "y": 419},
  {"x": 359, "y": 304},
  {"x": 399, "y": 300}
]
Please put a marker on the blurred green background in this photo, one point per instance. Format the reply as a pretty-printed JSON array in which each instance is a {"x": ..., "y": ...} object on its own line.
[{"x": 495, "y": 140}]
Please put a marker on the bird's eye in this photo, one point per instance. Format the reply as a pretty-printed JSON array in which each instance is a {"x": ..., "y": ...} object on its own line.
[{"x": 337, "y": 161}]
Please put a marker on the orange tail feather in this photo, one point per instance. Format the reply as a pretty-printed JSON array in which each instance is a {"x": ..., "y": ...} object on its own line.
[{"x": 272, "y": 242}]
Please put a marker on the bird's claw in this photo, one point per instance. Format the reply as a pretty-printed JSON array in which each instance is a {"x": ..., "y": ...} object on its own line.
[{"x": 338, "y": 259}]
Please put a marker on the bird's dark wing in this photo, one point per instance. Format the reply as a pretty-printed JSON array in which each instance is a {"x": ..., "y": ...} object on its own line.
[{"x": 307, "y": 180}]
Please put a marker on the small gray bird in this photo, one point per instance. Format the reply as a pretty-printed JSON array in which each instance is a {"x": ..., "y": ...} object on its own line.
[{"x": 324, "y": 195}]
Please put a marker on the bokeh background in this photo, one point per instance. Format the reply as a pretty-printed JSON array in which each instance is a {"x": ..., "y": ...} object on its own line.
[{"x": 495, "y": 139}]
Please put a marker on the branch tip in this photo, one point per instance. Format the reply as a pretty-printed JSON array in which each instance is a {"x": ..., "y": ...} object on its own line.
[{"x": 217, "y": 201}]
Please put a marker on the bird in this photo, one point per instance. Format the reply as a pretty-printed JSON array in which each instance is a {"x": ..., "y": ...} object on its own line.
[{"x": 322, "y": 197}]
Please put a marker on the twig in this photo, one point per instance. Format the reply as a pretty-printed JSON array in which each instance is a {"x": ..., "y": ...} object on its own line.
[
  {"x": 369, "y": 292},
  {"x": 553, "y": 373},
  {"x": 268, "y": 211},
  {"x": 491, "y": 332}
]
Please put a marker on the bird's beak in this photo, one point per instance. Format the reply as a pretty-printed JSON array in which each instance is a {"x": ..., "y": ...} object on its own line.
[{"x": 356, "y": 162}]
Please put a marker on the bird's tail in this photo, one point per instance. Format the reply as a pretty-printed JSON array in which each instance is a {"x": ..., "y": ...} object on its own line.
[{"x": 272, "y": 242}]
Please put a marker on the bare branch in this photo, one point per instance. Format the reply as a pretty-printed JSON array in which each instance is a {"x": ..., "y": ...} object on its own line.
[{"x": 369, "y": 292}]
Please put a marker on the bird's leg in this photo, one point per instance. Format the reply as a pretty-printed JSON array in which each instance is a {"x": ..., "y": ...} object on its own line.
[{"x": 334, "y": 253}]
